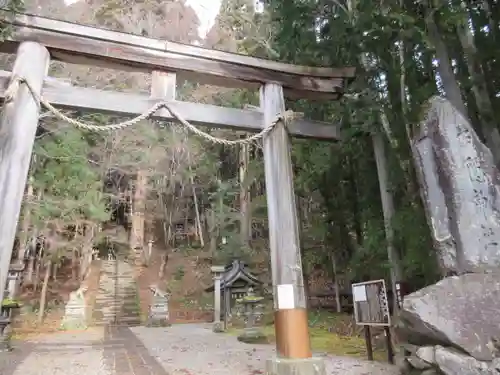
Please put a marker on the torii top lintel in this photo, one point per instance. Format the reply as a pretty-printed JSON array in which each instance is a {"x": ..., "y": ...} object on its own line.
[{"x": 75, "y": 43}]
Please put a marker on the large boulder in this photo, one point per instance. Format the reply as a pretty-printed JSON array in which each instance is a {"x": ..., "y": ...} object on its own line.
[
  {"x": 459, "y": 311},
  {"x": 452, "y": 362},
  {"x": 460, "y": 187}
]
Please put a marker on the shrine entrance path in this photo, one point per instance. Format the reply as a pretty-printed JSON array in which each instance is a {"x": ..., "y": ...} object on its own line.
[{"x": 183, "y": 349}]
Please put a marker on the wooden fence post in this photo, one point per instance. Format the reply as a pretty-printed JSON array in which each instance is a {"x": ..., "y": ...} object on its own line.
[
  {"x": 291, "y": 323},
  {"x": 18, "y": 124}
]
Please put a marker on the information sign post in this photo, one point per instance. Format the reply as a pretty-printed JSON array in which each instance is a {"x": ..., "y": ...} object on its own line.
[{"x": 371, "y": 308}]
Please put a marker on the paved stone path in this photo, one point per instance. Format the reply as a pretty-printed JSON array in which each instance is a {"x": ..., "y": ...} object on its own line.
[
  {"x": 116, "y": 299},
  {"x": 178, "y": 350}
]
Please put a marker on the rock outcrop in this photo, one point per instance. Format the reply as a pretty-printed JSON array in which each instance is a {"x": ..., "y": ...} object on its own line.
[
  {"x": 453, "y": 326},
  {"x": 460, "y": 185},
  {"x": 447, "y": 361},
  {"x": 459, "y": 311}
]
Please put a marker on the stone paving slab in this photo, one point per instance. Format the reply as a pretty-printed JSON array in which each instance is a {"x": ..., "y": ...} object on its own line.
[
  {"x": 183, "y": 349},
  {"x": 101, "y": 351},
  {"x": 64, "y": 353},
  {"x": 193, "y": 349}
]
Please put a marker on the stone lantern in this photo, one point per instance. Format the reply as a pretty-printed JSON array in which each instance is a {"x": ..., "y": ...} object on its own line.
[{"x": 252, "y": 312}]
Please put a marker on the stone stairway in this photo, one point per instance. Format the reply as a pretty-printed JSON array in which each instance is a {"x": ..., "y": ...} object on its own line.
[{"x": 116, "y": 301}]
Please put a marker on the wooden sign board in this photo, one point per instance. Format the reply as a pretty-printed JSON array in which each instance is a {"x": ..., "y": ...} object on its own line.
[{"x": 371, "y": 307}]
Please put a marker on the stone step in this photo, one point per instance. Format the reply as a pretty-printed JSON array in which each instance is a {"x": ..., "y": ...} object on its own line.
[
  {"x": 119, "y": 307},
  {"x": 113, "y": 319},
  {"x": 117, "y": 316},
  {"x": 117, "y": 301},
  {"x": 116, "y": 306},
  {"x": 119, "y": 298},
  {"x": 125, "y": 313},
  {"x": 131, "y": 307},
  {"x": 116, "y": 297}
]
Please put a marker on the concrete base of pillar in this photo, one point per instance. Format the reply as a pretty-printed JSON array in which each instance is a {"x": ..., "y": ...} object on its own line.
[{"x": 303, "y": 366}]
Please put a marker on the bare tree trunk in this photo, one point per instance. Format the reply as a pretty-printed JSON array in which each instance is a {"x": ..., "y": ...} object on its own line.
[
  {"x": 31, "y": 263},
  {"x": 167, "y": 223},
  {"x": 165, "y": 234},
  {"x": 448, "y": 79},
  {"x": 37, "y": 274},
  {"x": 86, "y": 255},
  {"x": 166, "y": 216},
  {"x": 25, "y": 226},
  {"x": 387, "y": 207},
  {"x": 198, "y": 228},
  {"x": 199, "y": 231},
  {"x": 54, "y": 271},
  {"x": 171, "y": 235},
  {"x": 300, "y": 222},
  {"x": 43, "y": 295},
  {"x": 30, "y": 269},
  {"x": 480, "y": 89},
  {"x": 138, "y": 212},
  {"x": 163, "y": 266},
  {"x": 74, "y": 265},
  {"x": 336, "y": 283},
  {"x": 246, "y": 215},
  {"x": 205, "y": 228},
  {"x": 382, "y": 167},
  {"x": 213, "y": 233},
  {"x": 147, "y": 253},
  {"x": 75, "y": 255}
]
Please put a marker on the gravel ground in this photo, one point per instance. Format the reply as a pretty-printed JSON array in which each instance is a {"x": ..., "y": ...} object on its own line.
[
  {"x": 188, "y": 349},
  {"x": 196, "y": 350}
]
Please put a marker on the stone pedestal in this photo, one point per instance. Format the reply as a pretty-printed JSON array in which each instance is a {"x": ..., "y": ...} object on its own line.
[
  {"x": 217, "y": 271},
  {"x": 217, "y": 298},
  {"x": 218, "y": 327},
  {"x": 4, "y": 335},
  {"x": 159, "y": 315},
  {"x": 302, "y": 366},
  {"x": 253, "y": 336},
  {"x": 75, "y": 316},
  {"x": 14, "y": 279}
]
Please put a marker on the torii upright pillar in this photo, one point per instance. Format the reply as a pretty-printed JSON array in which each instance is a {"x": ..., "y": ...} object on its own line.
[
  {"x": 291, "y": 324},
  {"x": 18, "y": 124}
]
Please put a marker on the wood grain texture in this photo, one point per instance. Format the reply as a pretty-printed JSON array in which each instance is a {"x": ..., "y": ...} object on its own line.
[
  {"x": 163, "y": 85},
  {"x": 18, "y": 123},
  {"x": 63, "y": 95},
  {"x": 292, "y": 333},
  {"x": 47, "y": 82},
  {"x": 374, "y": 309},
  {"x": 282, "y": 213},
  {"x": 75, "y": 43}
]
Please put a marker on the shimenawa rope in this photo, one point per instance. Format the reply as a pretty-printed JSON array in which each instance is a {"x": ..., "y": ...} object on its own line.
[{"x": 16, "y": 81}]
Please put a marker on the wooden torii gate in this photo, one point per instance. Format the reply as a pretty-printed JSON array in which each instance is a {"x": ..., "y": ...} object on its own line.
[{"x": 36, "y": 40}]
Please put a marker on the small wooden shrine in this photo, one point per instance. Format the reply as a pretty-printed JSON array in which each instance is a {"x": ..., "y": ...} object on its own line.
[{"x": 235, "y": 282}]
